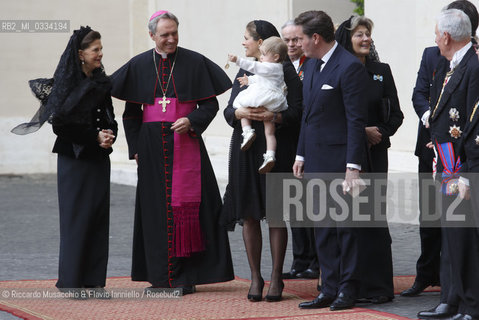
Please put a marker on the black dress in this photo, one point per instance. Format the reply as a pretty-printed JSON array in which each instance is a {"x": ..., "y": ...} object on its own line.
[
  {"x": 375, "y": 243},
  {"x": 246, "y": 190},
  {"x": 84, "y": 183}
]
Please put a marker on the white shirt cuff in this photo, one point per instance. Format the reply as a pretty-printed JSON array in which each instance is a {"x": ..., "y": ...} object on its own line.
[
  {"x": 464, "y": 180},
  {"x": 299, "y": 158},
  {"x": 354, "y": 166},
  {"x": 425, "y": 117}
]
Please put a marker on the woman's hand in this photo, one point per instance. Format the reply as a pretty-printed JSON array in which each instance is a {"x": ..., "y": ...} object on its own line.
[
  {"x": 258, "y": 114},
  {"x": 105, "y": 138},
  {"x": 182, "y": 125},
  {"x": 374, "y": 135}
]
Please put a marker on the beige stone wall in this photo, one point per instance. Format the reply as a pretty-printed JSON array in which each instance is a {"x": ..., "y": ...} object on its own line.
[
  {"x": 212, "y": 27},
  {"x": 402, "y": 30}
]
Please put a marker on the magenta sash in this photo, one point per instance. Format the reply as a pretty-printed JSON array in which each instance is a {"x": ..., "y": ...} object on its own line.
[{"x": 186, "y": 181}]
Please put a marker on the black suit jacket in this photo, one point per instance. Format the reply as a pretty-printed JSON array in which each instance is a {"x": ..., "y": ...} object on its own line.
[
  {"x": 335, "y": 113},
  {"x": 420, "y": 100},
  {"x": 470, "y": 143},
  {"x": 460, "y": 93}
]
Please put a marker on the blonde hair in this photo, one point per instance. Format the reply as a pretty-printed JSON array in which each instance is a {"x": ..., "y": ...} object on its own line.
[{"x": 276, "y": 45}]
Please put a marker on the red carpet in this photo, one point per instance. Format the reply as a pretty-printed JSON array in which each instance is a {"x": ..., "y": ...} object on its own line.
[{"x": 215, "y": 301}]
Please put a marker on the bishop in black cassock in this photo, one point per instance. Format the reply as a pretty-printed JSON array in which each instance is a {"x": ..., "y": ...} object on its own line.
[{"x": 177, "y": 240}]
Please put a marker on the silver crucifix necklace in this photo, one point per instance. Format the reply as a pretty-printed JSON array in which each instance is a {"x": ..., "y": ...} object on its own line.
[{"x": 164, "y": 101}]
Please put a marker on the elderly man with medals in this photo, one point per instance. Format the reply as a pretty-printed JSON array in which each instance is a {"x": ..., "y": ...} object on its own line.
[
  {"x": 170, "y": 95},
  {"x": 454, "y": 91}
]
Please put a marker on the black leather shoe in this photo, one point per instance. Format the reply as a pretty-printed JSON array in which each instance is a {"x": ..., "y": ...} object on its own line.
[
  {"x": 342, "y": 302},
  {"x": 441, "y": 311},
  {"x": 308, "y": 274},
  {"x": 291, "y": 274},
  {"x": 188, "y": 289},
  {"x": 321, "y": 301},
  {"x": 416, "y": 289}
]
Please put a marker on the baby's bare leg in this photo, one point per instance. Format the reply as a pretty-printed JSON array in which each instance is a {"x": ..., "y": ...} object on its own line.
[{"x": 269, "y": 130}]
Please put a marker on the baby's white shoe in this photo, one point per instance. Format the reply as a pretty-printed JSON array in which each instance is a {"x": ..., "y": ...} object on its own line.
[
  {"x": 248, "y": 139},
  {"x": 268, "y": 163}
]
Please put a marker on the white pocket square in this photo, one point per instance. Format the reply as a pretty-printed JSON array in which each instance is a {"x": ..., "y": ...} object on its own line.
[{"x": 326, "y": 87}]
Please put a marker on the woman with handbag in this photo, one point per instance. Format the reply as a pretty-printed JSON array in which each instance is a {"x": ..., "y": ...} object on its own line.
[{"x": 384, "y": 118}]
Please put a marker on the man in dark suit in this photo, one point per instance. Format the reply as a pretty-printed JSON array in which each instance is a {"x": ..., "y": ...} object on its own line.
[
  {"x": 332, "y": 140},
  {"x": 468, "y": 246},
  {"x": 427, "y": 267},
  {"x": 305, "y": 261},
  {"x": 453, "y": 94}
]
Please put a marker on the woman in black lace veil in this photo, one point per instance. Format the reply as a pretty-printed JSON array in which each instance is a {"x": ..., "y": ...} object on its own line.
[{"x": 78, "y": 104}]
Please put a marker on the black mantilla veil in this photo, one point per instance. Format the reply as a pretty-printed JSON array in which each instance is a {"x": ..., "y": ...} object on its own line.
[
  {"x": 58, "y": 95},
  {"x": 343, "y": 37}
]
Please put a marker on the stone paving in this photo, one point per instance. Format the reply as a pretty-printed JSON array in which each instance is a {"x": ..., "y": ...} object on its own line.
[{"x": 29, "y": 239}]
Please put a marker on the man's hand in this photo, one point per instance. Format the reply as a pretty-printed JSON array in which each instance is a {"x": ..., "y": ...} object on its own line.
[
  {"x": 182, "y": 125},
  {"x": 351, "y": 180},
  {"x": 298, "y": 169},
  {"x": 464, "y": 190}
]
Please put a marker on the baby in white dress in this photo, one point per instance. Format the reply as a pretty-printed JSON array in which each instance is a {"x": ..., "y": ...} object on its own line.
[{"x": 266, "y": 88}]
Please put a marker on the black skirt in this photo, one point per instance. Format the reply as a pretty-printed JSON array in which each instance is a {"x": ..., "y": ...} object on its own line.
[{"x": 84, "y": 202}]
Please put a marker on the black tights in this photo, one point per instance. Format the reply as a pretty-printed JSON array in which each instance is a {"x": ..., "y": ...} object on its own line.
[{"x": 278, "y": 238}]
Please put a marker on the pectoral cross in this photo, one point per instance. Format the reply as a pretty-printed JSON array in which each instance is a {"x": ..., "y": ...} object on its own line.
[{"x": 164, "y": 102}]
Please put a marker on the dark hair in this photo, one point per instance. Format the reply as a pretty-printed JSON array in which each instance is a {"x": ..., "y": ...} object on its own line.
[
  {"x": 469, "y": 9},
  {"x": 251, "y": 27},
  {"x": 261, "y": 29},
  {"x": 89, "y": 38},
  {"x": 316, "y": 22}
]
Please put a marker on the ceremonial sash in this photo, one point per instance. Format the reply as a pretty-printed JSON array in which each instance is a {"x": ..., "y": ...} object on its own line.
[
  {"x": 186, "y": 180},
  {"x": 450, "y": 173}
]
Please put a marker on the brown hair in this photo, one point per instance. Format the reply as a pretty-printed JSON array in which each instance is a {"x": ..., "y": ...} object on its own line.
[
  {"x": 89, "y": 38},
  {"x": 316, "y": 22},
  {"x": 275, "y": 45},
  {"x": 251, "y": 27}
]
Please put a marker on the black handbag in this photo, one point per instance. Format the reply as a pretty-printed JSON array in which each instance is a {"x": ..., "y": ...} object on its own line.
[{"x": 385, "y": 111}]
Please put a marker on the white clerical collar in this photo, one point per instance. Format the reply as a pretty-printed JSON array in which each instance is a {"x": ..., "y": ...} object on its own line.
[
  {"x": 162, "y": 54},
  {"x": 328, "y": 55},
  {"x": 458, "y": 55}
]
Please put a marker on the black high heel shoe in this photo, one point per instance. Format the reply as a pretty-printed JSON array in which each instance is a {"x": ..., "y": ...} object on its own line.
[
  {"x": 257, "y": 297},
  {"x": 275, "y": 298}
]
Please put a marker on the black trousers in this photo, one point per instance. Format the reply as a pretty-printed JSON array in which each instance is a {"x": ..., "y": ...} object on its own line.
[
  {"x": 428, "y": 264},
  {"x": 304, "y": 249}
]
